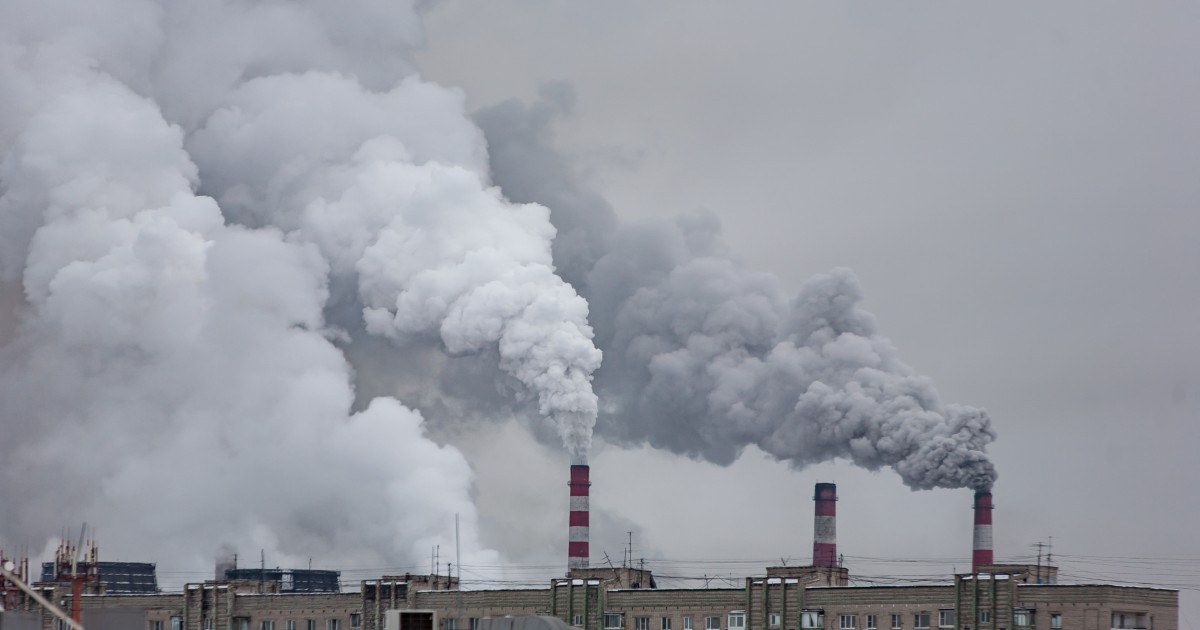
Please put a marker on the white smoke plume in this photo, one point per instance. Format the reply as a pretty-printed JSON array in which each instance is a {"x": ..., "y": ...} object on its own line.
[
  {"x": 189, "y": 190},
  {"x": 703, "y": 357}
]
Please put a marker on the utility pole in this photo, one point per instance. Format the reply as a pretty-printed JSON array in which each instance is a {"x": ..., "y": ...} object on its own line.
[
  {"x": 458, "y": 558},
  {"x": 1039, "y": 562}
]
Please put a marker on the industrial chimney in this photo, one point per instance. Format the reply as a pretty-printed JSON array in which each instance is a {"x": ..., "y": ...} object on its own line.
[
  {"x": 982, "y": 547},
  {"x": 825, "y": 526},
  {"x": 577, "y": 537}
]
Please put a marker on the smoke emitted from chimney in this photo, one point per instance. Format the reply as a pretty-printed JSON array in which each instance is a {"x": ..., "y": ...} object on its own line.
[
  {"x": 704, "y": 358},
  {"x": 981, "y": 547},
  {"x": 825, "y": 525},
  {"x": 188, "y": 190}
]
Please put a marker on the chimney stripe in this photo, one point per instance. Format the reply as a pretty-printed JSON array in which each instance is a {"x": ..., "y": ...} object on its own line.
[
  {"x": 578, "y": 519},
  {"x": 981, "y": 543},
  {"x": 825, "y": 525}
]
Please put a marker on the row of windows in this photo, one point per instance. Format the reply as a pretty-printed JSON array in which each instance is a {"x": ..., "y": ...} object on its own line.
[
  {"x": 243, "y": 623},
  {"x": 1022, "y": 618},
  {"x": 451, "y": 623},
  {"x": 616, "y": 621},
  {"x": 815, "y": 620},
  {"x": 809, "y": 620}
]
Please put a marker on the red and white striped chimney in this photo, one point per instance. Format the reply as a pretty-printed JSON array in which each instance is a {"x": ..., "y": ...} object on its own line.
[
  {"x": 982, "y": 548},
  {"x": 825, "y": 526},
  {"x": 577, "y": 537}
]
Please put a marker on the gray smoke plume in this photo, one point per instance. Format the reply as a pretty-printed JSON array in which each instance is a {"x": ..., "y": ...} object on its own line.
[
  {"x": 703, "y": 357},
  {"x": 191, "y": 193},
  {"x": 218, "y": 219}
]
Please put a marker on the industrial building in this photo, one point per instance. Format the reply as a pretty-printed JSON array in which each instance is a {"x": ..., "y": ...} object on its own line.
[{"x": 816, "y": 597}]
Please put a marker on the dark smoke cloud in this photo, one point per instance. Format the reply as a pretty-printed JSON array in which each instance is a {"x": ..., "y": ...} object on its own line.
[{"x": 704, "y": 357}]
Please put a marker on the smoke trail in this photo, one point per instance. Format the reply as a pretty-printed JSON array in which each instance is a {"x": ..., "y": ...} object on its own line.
[
  {"x": 407, "y": 216},
  {"x": 187, "y": 191},
  {"x": 704, "y": 357}
]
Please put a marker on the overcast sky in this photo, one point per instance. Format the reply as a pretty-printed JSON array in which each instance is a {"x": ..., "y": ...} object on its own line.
[
  {"x": 1016, "y": 188},
  {"x": 226, "y": 227}
]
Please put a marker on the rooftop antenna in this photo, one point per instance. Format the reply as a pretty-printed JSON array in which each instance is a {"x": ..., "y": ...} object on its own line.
[
  {"x": 628, "y": 561},
  {"x": 78, "y": 548},
  {"x": 458, "y": 557}
]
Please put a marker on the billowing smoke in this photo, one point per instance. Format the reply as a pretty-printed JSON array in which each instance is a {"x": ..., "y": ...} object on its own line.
[
  {"x": 193, "y": 195},
  {"x": 218, "y": 219},
  {"x": 703, "y": 357}
]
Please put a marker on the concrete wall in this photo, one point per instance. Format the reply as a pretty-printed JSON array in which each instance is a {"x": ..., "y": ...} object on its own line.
[
  {"x": 760, "y": 602},
  {"x": 20, "y": 620},
  {"x": 114, "y": 618}
]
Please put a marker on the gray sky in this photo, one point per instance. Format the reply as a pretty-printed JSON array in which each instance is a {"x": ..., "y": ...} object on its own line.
[
  {"x": 226, "y": 227},
  {"x": 1015, "y": 188}
]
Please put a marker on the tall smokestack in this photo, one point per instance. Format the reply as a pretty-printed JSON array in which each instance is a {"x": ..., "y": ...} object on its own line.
[
  {"x": 825, "y": 525},
  {"x": 577, "y": 537},
  {"x": 982, "y": 547}
]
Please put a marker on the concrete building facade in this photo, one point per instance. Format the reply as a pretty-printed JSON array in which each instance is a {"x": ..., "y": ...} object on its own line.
[{"x": 622, "y": 599}]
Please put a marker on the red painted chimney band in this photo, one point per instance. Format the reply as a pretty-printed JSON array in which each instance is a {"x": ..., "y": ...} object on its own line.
[
  {"x": 981, "y": 554},
  {"x": 825, "y": 525},
  {"x": 577, "y": 532}
]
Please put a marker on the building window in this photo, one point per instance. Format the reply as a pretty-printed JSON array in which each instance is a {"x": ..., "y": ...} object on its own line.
[
  {"x": 474, "y": 622},
  {"x": 666, "y": 623},
  {"x": 311, "y": 625},
  {"x": 897, "y": 621},
  {"x": 241, "y": 623},
  {"x": 177, "y": 623},
  {"x": 355, "y": 620},
  {"x": 847, "y": 622},
  {"x": 737, "y": 620},
  {"x": 333, "y": 624},
  {"x": 208, "y": 623},
  {"x": 450, "y": 623},
  {"x": 985, "y": 616},
  {"x": 687, "y": 623},
  {"x": 921, "y": 620},
  {"x": 945, "y": 618},
  {"x": 614, "y": 621},
  {"x": 1128, "y": 620},
  {"x": 774, "y": 620},
  {"x": 156, "y": 625},
  {"x": 812, "y": 619},
  {"x": 712, "y": 623},
  {"x": 1056, "y": 621},
  {"x": 871, "y": 622},
  {"x": 641, "y": 623},
  {"x": 1022, "y": 617},
  {"x": 577, "y": 621},
  {"x": 268, "y": 624}
]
